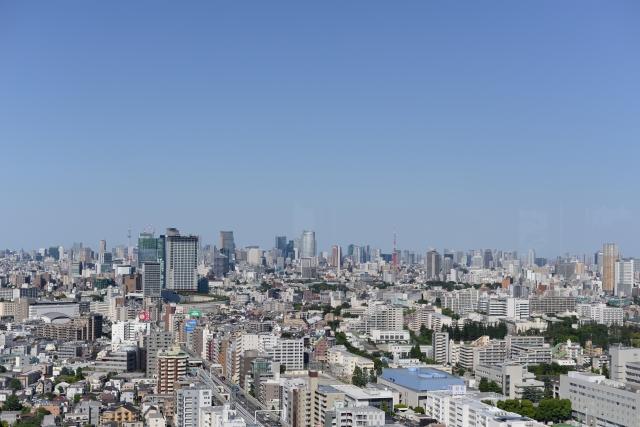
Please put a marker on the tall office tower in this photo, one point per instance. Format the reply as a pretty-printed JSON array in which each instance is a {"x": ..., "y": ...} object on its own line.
[
  {"x": 84, "y": 255},
  {"x": 54, "y": 252},
  {"x": 181, "y": 263},
  {"x": 103, "y": 246},
  {"x": 609, "y": 257},
  {"x": 172, "y": 365},
  {"x": 599, "y": 259},
  {"x": 290, "y": 251},
  {"x": 433, "y": 264},
  {"x": 308, "y": 240},
  {"x": 376, "y": 253},
  {"x": 447, "y": 265},
  {"x": 189, "y": 400},
  {"x": 366, "y": 254},
  {"x": 281, "y": 245},
  {"x": 76, "y": 249},
  {"x": 220, "y": 264},
  {"x": 151, "y": 279},
  {"x": 531, "y": 259},
  {"x": 357, "y": 254},
  {"x": 147, "y": 248},
  {"x": 487, "y": 257},
  {"x": 227, "y": 245},
  {"x": 336, "y": 256},
  {"x": 624, "y": 269}
]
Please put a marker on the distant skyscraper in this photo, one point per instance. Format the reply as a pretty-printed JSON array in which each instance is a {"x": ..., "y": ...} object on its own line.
[
  {"x": 609, "y": 257},
  {"x": 308, "y": 240},
  {"x": 76, "y": 249},
  {"x": 227, "y": 245},
  {"x": 281, "y": 245},
  {"x": 433, "y": 264},
  {"x": 624, "y": 270},
  {"x": 531, "y": 260},
  {"x": 151, "y": 279},
  {"x": 103, "y": 246},
  {"x": 336, "y": 255},
  {"x": 147, "y": 248},
  {"x": 181, "y": 263},
  {"x": 54, "y": 252}
]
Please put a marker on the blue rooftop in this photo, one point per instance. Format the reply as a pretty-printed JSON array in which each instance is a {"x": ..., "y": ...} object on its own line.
[{"x": 420, "y": 378}]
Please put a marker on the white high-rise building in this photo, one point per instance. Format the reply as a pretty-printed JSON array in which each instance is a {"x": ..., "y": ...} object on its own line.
[
  {"x": 624, "y": 269},
  {"x": 440, "y": 342},
  {"x": 531, "y": 260},
  {"x": 308, "y": 243},
  {"x": 188, "y": 403},
  {"x": 181, "y": 261}
]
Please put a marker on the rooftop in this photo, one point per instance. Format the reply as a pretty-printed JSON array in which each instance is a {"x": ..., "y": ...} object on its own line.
[{"x": 420, "y": 378}]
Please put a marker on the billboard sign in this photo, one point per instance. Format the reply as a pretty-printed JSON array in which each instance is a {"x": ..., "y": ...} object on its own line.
[
  {"x": 192, "y": 322},
  {"x": 143, "y": 316},
  {"x": 194, "y": 313},
  {"x": 188, "y": 328}
]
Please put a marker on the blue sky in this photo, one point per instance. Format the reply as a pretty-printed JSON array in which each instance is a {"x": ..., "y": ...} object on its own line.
[{"x": 462, "y": 124}]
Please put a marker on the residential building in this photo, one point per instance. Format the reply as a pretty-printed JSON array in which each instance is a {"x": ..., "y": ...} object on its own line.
[
  {"x": 360, "y": 416},
  {"x": 172, "y": 365},
  {"x": 151, "y": 279},
  {"x": 189, "y": 400},
  {"x": 512, "y": 377},
  {"x": 600, "y": 313},
  {"x": 219, "y": 416},
  {"x": 609, "y": 257},
  {"x": 551, "y": 304},
  {"x": 181, "y": 263},
  {"x": 440, "y": 342}
]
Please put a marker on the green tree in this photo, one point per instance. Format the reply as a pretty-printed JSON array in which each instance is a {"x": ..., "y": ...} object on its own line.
[
  {"x": 15, "y": 384},
  {"x": 494, "y": 387},
  {"x": 548, "y": 387},
  {"x": 357, "y": 378},
  {"x": 3, "y": 369},
  {"x": 12, "y": 403},
  {"x": 605, "y": 370},
  {"x": 418, "y": 410},
  {"x": 283, "y": 368},
  {"x": 533, "y": 394},
  {"x": 483, "y": 386},
  {"x": 384, "y": 407},
  {"x": 64, "y": 371},
  {"x": 527, "y": 409},
  {"x": 415, "y": 352},
  {"x": 76, "y": 398}
]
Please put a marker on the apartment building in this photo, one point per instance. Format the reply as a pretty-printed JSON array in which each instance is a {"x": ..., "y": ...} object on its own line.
[
  {"x": 483, "y": 351},
  {"x": 288, "y": 352},
  {"x": 601, "y": 402},
  {"x": 454, "y": 408},
  {"x": 342, "y": 363},
  {"x": 350, "y": 416},
  {"x": 380, "y": 316},
  {"x": 296, "y": 397},
  {"x": 189, "y": 400},
  {"x": 600, "y": 313},
  {"x": 172, "y": 365},
  {"x": 551, "y": 304},
  {"x": 430, "y": 319},
  {"x": 512, "y": 377},
  {"x": 461, "y": 301},
  {"x": 440, "y": 343}
]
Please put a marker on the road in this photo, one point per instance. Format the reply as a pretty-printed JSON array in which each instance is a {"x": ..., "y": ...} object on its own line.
[{"x": 245, "y": 404}]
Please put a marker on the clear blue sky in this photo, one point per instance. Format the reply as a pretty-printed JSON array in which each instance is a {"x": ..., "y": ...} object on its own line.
[{"x": 462, "y": 124}]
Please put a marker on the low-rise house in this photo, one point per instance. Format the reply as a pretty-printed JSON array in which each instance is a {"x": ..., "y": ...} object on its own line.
[
  {"x": 76, "y": 388},
  {"x": 120, "y": 413}
]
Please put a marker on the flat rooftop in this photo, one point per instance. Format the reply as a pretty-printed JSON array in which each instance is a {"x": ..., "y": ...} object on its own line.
[{"x": 420, "y": 378}]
